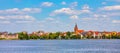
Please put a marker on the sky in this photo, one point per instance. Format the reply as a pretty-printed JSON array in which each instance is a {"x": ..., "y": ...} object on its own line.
[{"x": 59, "y": 15}]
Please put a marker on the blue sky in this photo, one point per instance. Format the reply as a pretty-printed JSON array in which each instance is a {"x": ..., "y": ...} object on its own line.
[{"x": 59, "y": 15}]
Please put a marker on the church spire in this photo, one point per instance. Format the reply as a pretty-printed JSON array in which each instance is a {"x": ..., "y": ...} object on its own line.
[{"x": 75, "y": 28}]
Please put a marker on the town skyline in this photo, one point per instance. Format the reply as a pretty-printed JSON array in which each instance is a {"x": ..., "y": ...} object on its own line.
[
  {"x": 60, "y": 15},
  {"x": 76, "y": 34}
]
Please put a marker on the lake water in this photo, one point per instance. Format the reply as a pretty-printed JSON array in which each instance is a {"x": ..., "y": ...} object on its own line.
[{"x": 59, "y": 46}]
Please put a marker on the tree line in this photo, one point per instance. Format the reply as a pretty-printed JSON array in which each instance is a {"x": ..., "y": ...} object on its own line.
[{"x": 67, "y": 35}]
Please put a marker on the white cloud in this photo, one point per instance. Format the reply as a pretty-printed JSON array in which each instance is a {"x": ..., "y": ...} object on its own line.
[
  {"x": 25, "y": 21},
  {"x": 86, "y": 19},
  {"x": 74, "y": 17},
  {"x": 63, "y": 3},
  {"x": 32, "y": 10},
  {"x": 12, "y": 10},
  {"x": 109, "y": 11},
  {"x": 20, "y": 11},
  {"x": 18, "y": 15},
  {"x": 2, "y": 17},
  {"x": 64, "y": 10},
  {"x": 26, "y": 17},
  {"x": 85, "y": 11},
  {"x": 116, "y": 21},
  {"x": 56, "y": 22},
  {"x": 108, "y": 8},
  {"x": 5, "y": 22},
  {"x": 96, "y": 15},
  {"x": 16, "y": 19},
  {"x": 99, "y": 15},
  {"x": 47, "y": 4},
  {"x": 26, "y": 9},
  {"x": 70, "y": 11}
]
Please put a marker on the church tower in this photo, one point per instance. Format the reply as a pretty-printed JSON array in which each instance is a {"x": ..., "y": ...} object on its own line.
[{"x": 76, "y": 29}]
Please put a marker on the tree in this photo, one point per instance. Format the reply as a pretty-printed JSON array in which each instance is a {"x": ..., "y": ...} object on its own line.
[
  {"x": 89, "y": 35},
  {"x": 53, "y": 36},
  {"x": 23, "y": 36},
  {"x": 58, "y": 33},
  {"x": 62, "y": 37},
  {"x": 68, "y": 33},
  {"x": 67, "y": 37},
  {"x": 33, "y": 36}
]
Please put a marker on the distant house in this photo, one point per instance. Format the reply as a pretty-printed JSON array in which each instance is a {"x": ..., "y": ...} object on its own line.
[
  {"x": 39, "y": 33},
  {"x": 12, "y": 36},
  {"x": 6, "y": 35},
  {"x": 3, "y": 34},
  {"x": 118, "y": 33}
]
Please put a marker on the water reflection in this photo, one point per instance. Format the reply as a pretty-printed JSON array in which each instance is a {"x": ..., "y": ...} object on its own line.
[{"x": 60, "y": 46}]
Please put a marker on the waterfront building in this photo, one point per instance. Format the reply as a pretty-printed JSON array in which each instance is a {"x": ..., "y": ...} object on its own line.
[
  {"x": 96, "y": 34},
  {"x": 12, "y": 36},
  {"x": 77, "y": 31},
  {"x": 7, "y": 35}
]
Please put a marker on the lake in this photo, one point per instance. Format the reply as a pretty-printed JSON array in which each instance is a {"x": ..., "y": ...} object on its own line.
[{"x": 60, "y": 46}]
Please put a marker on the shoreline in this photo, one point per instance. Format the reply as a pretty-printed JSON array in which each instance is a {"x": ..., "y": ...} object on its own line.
[{"x": 75, "y": 39}]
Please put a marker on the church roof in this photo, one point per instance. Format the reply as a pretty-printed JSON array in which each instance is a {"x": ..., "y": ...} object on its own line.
[{"x": 80, "y": 31}]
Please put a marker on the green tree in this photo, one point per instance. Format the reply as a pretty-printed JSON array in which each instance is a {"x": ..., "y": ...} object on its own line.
[
  {"x": 62, "y": 37},
  {"x": 23, "y": 36},
  {"x": 68, "y": 33},
  {"x": 33, "y": 36},
  {"x": 58, "y": 33}
]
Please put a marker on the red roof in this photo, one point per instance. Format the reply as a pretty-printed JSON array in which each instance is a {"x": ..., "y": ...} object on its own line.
[
  {"x": 80, "y": 31},
  {"x": 90, "y": 31},
  {"x": 96, "y": 33}
]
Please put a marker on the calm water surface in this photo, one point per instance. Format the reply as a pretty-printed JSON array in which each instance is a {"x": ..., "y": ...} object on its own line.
[{"x": 60, "y": 46}]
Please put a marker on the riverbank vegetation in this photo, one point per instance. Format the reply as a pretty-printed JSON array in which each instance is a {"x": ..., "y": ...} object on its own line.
[
  {"x": 59, "y": 35},
  {"x": 68, "y": 35}
]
